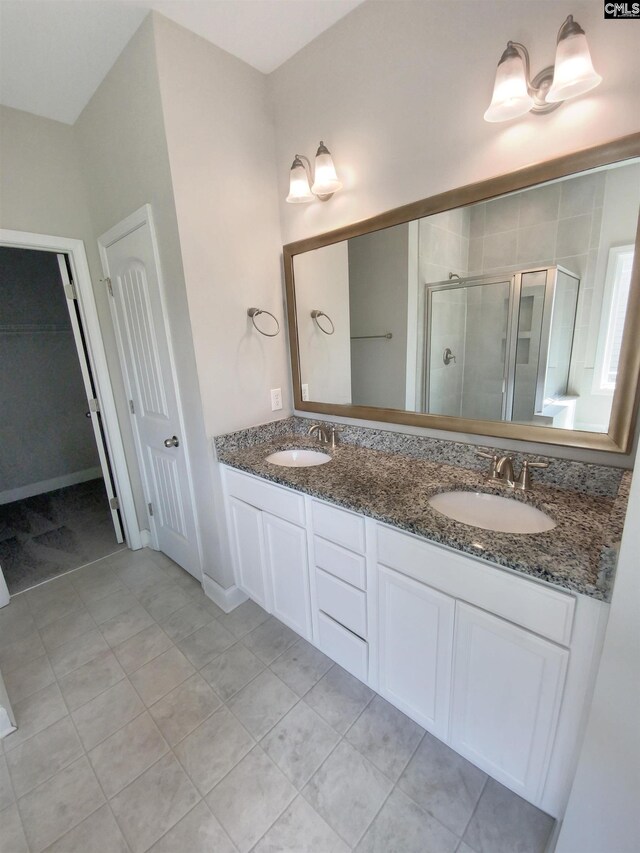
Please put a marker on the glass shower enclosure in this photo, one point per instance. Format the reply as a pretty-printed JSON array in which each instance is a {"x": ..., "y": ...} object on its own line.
[{"x": 498, "y": 347}]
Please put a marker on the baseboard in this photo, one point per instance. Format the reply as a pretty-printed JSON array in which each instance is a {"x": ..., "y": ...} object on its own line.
[
  {"x": 226, "y": 599},
  {"x": 145, "y": 539},
  {"x": 6, "y": 726},
  {"x": 22, "y": 492}
]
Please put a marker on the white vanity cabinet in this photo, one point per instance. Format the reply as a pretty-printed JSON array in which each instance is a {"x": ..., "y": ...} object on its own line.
[
  {"x": 496, "y": 665},
  {"x": 269, "y": 544}
]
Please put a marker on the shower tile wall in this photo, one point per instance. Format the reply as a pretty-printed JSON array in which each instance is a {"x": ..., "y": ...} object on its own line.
[{"x": 444, "y": 249}]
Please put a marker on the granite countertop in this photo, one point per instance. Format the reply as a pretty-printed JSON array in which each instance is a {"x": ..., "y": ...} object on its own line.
[{"x": 579, "y": 554}]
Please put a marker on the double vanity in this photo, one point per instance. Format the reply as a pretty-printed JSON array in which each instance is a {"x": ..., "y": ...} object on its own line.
[{"x": 488, "y": 639}]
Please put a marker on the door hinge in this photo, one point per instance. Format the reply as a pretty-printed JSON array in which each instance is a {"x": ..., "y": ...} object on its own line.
[
  {"x": 94, "y": 406},
  {"x": 70, "y": 289},
  {"x": 107, "y": 281},
  {"x": 150, "y": 508},
  {"x": 114, "y": 503},
  {"x": 132, "y": 407}
]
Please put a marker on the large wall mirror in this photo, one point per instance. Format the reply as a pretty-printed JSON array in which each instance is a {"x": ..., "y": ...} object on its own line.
[{"x": 506, "y": 308}]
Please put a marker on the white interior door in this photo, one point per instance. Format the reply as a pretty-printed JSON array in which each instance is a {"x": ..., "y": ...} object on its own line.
[
  {"x": 130, "y": 262},
  {"x": 92, "y": 398}
]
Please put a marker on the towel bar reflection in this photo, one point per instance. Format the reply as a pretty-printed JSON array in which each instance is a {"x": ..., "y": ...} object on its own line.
[
  {"x": 387, "y": 335},
  {"x": 255, "y": 312},
  {"x": 316, "y": 318}
]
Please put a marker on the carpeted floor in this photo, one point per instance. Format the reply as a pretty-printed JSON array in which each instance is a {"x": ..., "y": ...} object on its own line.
[{"x": 47, "y": 535}]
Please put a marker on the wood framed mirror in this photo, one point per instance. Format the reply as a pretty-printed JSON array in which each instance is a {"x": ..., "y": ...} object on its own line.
[{"x": 506, "y": 308}]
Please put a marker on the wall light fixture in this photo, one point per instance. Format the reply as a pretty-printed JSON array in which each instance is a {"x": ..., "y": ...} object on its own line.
[
  {"x": 515, "y": 93},
  {"x": 303, "y": 187}
]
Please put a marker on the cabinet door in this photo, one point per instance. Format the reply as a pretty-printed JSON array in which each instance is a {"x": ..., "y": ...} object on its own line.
[
  {"x": 416, "y": 643},
  {"x": 287, "y": 569},
  {"x": 507, "y": 689},
  {"x": 247, "y": 542}
]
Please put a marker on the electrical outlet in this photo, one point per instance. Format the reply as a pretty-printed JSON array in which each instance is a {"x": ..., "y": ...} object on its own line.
[
  {"x": 276, "y": 399},
  {"x": 305, "y": 392}
]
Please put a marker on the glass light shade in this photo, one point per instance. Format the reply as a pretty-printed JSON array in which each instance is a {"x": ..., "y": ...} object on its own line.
[
  {"x": 511, "y": 96},
  {"x": 299, "y": 190},
  {"x": 574, "y": 73},
  {"x": 326, "y": 180}
]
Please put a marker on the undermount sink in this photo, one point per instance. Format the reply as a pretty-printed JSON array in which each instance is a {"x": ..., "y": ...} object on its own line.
[
  {"x": 492, "y": 512},
  {"x": 298, "y": 458}
]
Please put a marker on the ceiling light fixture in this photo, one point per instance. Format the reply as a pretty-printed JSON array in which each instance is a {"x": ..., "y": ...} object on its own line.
[
  {"x": 303, "y": 187},
  {"x": 515, "y": 93}
]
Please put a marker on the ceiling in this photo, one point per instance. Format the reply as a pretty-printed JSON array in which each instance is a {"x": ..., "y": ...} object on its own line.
[{"x": 55, "y": 53}]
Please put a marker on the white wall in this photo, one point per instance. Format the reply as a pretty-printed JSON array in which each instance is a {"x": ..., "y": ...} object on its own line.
[
  {"x": 125, "y": 164},
  {"x": 398, "y": 90},
  {"x": 603, "y": 814},
  {"x": 42, "y": 191},
  {"x": 322, "y": 283}
]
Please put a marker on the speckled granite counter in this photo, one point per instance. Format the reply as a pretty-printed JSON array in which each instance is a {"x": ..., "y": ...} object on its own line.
[{"x": 579, "y": 554}]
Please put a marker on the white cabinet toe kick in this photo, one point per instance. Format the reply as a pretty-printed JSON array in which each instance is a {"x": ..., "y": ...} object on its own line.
[{"x": 498, "y": 666}]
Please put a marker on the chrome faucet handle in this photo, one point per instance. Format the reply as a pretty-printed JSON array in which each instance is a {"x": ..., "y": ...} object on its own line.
[
  {"x": 523, "y": 483},
  {"x": 504, "y": 470},
  {"x": 494, "y": 462}
]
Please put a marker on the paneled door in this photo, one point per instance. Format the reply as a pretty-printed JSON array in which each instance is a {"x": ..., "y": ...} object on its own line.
[{"x": 131, "y": 265}]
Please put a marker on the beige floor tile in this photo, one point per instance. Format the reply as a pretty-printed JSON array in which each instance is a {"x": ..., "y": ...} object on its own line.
[
  {"x": 123, "y": 756},
  {"x": 262, "y": 703},
  {"x": 269, "y": 640},
  {"x": 214, "y": 748},
  {"x": 300, "y": 829},
  {"x": 92, "y": 588},
  {"x": 99, "y": 833},
  {"x": 22, "y": 651},
  {"x": 161, "y": 601},
  {"x": 244, "y": 618},
  {"x": 6, "y": 789},
  {"x": 156, "y": 678},
  {"x": 112, "y": 605},
  {"x": 250, "y": 798},
  {"x": 186, "y": 620},
  {"x": 59, "y": 804},
  {"x": 63, "y": 630},
  {"x": 152, "y": 804},
  {"x": 36, "y": 712},
  {"x": 16, "y": 620},
  {"x": 142, "y": 648},
  {"x": 77, "y": 652},
  {"x": 52, "y": 601},
  {"x": 301, "y": 667},
  {"x": 339, "y": 698},
  {"x": 12, "y": 838},
  {"x": 206, "y": 643},
  {"x": 43, "y": 755},
  {"x": 232, "y": 670},
  {"x": 88, "y": 681},
  {"x": 28, "y": 679},
  {"x": 125, "y": 625},
  {"x": 107, "y": 713},
  {"x": 400, "y": 823},
  {"x": 180, "y": 712},
  {"x": 197, "y": 832}
]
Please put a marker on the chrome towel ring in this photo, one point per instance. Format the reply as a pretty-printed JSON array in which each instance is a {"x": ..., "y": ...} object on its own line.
[
  {"x": 255, "y": 312},
  {"x": 316, "y": 314}
]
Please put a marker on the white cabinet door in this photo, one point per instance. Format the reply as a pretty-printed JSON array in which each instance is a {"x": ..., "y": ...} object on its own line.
[
  {"x": 287, "y": 569},
  {"x": 416, "y": 646},
  {"x": 248, "y": 543},
  {"x": 507, "y": 689}
]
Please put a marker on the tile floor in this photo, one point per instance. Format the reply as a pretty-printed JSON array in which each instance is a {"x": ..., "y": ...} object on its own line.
[{"x": 150, "y": 720}]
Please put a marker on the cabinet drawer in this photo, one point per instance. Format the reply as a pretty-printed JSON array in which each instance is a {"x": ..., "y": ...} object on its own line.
[
  {"x": 274, "y": 499},
  {"x": 342, "y": 646},
  {"x": 339, "y": 526},
  {"x": 342, "y": 602},
  {"x": 535, "y": 606},
  {"x": 338, "y": 561}
]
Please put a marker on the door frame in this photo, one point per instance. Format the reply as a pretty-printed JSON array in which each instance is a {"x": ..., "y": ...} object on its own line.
[
  {"x": 138, "y": 219},
  {"x": 75, "y": 251}
]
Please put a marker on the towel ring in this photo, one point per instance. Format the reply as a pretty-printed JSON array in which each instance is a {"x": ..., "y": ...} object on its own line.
[
  {"x": 316, "y": 314},
  {"x": 255, "y": 312}
]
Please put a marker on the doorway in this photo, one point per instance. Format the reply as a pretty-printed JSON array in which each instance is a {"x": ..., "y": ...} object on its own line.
[{"x": 65, "y": 498}]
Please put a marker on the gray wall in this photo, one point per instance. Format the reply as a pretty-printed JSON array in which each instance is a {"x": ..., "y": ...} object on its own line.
[
  {"x": 378, "y": 293},
  {"x": 45, "y": 434}
]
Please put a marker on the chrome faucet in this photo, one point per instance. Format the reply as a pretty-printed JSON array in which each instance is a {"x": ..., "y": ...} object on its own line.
[
  {"x": 320, "y": 432},
  {"x": 501, "y": 471}
]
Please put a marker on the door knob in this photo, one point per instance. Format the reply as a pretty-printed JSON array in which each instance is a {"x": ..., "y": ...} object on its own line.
[{"x": 172, "y": 442}]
